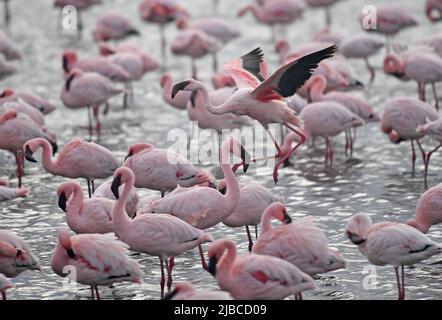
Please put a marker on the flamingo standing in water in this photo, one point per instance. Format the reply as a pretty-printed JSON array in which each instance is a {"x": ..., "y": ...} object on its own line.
[
  {"x": 433, "y": 10},
  {"x": 186, "y": 291},
  {"x": 80, "y": 5},
  {"x": 160, "y": 235},
  {"x": 390, "y": 243},
  {"x": 113, "y": 26},
  {"x": 434, "y": 130},
  {"x": 98, "y": 259},
  {"x": 15, "y": 130},
  {"x": 11, "y": 193},
  {"x": 299, "y": 242},
  {"x": 428, "y": 209},
  {"x": 5, "y": 284},
  {"x": 162, "y": 169},
  {"x": 401, "y": 119},
  {"x": 254, "y": 276},
  {"x": 262, "y": 100},
  {"x": 41, "y": 104},
  {"x": 77, "y": 159}
]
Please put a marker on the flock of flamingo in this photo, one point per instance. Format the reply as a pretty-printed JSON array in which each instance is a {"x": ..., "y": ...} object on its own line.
[{"x": 309, "y": 95}]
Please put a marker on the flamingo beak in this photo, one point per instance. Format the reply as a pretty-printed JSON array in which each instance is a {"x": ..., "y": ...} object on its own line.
[
  {"x": 212, "y": 185},
  {"x": 71, "y": 253},
  {"x": 130, "y": 154},
  {"x": 62, "y": 201},
  {"x": 287, "y": 218},
  {"x": 179, "y": 87},
  {"x": 245, "y": 157},
  {"x": 54, "y": 148},
  {"x": 115, "y": 187},
  {"x": 193, "y": 98},
  {"x": 357, "y": 240},
  {"x": 29, "y": 154},
  {"x": 212, "y": 266}
]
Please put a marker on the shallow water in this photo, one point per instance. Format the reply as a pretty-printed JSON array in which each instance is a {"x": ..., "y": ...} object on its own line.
[{"x": 377, "y": 181}]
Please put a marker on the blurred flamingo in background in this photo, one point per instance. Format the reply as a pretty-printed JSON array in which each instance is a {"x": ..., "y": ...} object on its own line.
[
  {"x": 80, "y": 6},
  {"x": 104, "y": 191},
  {"x": 113, "y": 26},
  {"x": 11, "y": 193},
  {"x": 41, "y": 104},
  {"x": 434, "y": 130},
  {"x": 326, "y": 4},
  {"x": 8, "y": 48}
]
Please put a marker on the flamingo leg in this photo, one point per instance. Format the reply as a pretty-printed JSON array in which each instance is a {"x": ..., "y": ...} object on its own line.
[
  {"x": 256, "y": 232},
  {"x": 194, "y": 72},
  {"x": 396, "y": 270},
  {"x": 19, "y": 162},
  {"x": 278, "y": 148},
  {"x": 7, "y": 13},
  {"x": 93, "y": 186},
  {"x": 90, "y": 122},
  {"x": 162, "y": 281},
  {"x": 328, "y": 152},
  {"x": 79, "y": 24},
  {"x": 163, "y": 44},
  {"x": 370, "y": 69},
  {"x": 250, "y": 238},
  {"x": 413, "y": 155},
  {"x": 92, "y": 293},
  {"x": 125, "y": 96},
  {"x": 347, "y": 144},
  {"x": 98, "y": 294},
  {"x": 436, "y": 98},
  {"x": 106, "y": 108},
  {"x": 89, "y": 189},
  {"x": 169, "y": 267},
  {"x": 4, "y": 296},
  {"x": 96, "y": 111},
  {"x": 215, "y": 63},
  {"x": 203, "y": 260},
  {"x": 424, "y": 94},
  {"x": 423, "y": 153},
  {"x": 427, "y": 163},
  {"x": 403, "y": 282},
  {"x": 327, "y": 16},
  {"x": 351, "y": 141}
]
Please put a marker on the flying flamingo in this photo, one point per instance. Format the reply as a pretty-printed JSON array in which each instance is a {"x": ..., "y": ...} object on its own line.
[
  {"x": 77, "y": 159},
  {"x": 98, "y": 259},
  {"x": 186, "y": 291},
  {"x": 428, "y": 209},
  {"x": 86, "y": 90},
  {"x": 15, "y": 130},
  {"x": 5, "y": 284},
  {"x": 423, "y": 67},
  {"x": 15, "y": 255},
  {"x": 328, "y": 119},
  {"x": 253, "y": 200},
  {"x": 195, "y": 44},
  {"x": 41, "y": 104},
  {"x": 253, "y": 276},
  {"x": 159, "y": 235},
  {"x": 401, "y": 118},
  {"x": 361, "y": 47},
  {"x": 161, "y": 12},
  {"x": 390, "y": 243},
  {"x": 326, "y": 4},
  {"x": 113, "y": 26},
  {"x": 262, "y": 100},
  {"x": 11, "y": 193},
  {"x": 8, "y": 48},
  {"x": 434, "y": 130},
  {"x": 299, "y": 242},
  {"x": 93, "y": 215},
  {"x": 104, "y": 191},
  {"x": 162, "y": 169},
  {"x": 433, "y": 10}
]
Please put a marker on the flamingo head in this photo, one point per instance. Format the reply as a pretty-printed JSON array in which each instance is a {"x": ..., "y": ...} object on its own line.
[
  {"x": 64, "y": 238},
  {"x": 233, "y": 145},
  {"x": 394, "y": 65},
  {"x": 357, "y": 228},
  {"x": 222, "y": 186},
  {"x": 165, "y": 79},
  {"x": 186, "y": 85},
  {"x": 181, "y": 22},
  {"x": 122, "y": 176},
  {"x": 216, "y": 252},
  {"x": 137, "y": 148},
  {"x": 282, "y": 46},
  {"x": 64, "y": 192},
  {"x": 70, "y": 57},
  {"x": 279, "y": 212},
  {"x": 7, "y": 93}
]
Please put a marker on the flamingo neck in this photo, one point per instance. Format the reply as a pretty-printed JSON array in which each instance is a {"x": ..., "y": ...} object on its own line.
[
  {"x": 74, "y": 207},
  {"x": 167, "y": 90},
  {"x": 225, "y": 264},
  {"x": 317, "y": 90},
  {"x": 422, "y": 226},
  {"x": 46, "y": 159},
  {"x": 232, "y": 194},
  {"x": 119, "y": 216}
]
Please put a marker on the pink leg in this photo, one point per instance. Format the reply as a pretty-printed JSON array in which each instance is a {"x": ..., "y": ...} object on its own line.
[
  {"x": 278, "y": 155},
  {"x": 250, "y": 239},
  {"x": 125, "y": 96},
  {"x": 203, "y": 260},
  {"x": 403, "y": 282},
  {"x": 194, "y": 73},
  {"x": 436, "y": 98},
  {"x": 424, "y": 94},
  {"x": 162, "y": 281},
  {"x": 89, "y": 189},
  {"x": 371, "y": 69},
  {"x": 413, "y": 155},
  {"x": 106, "y": 108},
  {"x": 19, "y": 162},
  {"x": 96, "y": 111},
  {"x": 398, "y": 284},
  {"x": 90, "y": 122},
  {"x": 4, "y": 296},
  {"x": 92, "y": 293},
  {"x": 427, "y": 163},
  {"x": 98, "y": 294},
  {"x": 169, "y": 267},
  {"x": 347, "y": 143}
]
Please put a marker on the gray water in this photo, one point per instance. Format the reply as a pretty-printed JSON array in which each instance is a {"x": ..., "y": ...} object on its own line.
[{"x": 377, "y": 181}]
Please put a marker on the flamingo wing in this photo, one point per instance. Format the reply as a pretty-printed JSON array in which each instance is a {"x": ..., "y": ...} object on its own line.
[{"x": 290, "y": 77}]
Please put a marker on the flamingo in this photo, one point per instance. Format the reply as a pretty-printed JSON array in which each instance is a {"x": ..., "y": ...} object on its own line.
[
  {"x": 390, "y": 243},
  {"x": 401, "y": 117},
  {"x": 434, "y": 130},
  {"x": 195, "y": 44},
  {"x": 433, "y": 10},
  {"x": 15, "y": 130},
  {"x": 299, "y": 242},
  {"x": 8, "y": 48},
  {"x": 253, "y": 276},
  {"x": 104, "y": 191},
  {"x": 326, "y": 4},
  {"x": 5, "y": 284},
  {"x": 428, "y": 209},
  {"x": 41, "y": 104},
  {"x": 88, "y": 89},
  {"x": 113, "y": 26},
  {"x": 161, "y": 235},
  {"x": 434, "y": 42},
  {"x": 361, "y": 47},
  {"x": 253, "y": 199},
  {"x": 162, "y": 169},
  {"x": 77, "y": 159},
  {"x": 11, "y": 193},
  {"x": 180, "y": 101},
  {"x": 222, "y": 79},
  {"x": 186, "y": 291},
  {"x": 423, "y": 67},
  {"x": 31, "y": 112},
  {"x": 15, "y": 255},
  {"x": 98, "y": 259},
  {"x": 262, "y": 100},
  {"x": 327, "y": 119}
]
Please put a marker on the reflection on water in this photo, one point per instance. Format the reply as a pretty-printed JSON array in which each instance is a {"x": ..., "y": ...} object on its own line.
[{"x": 377, "y": 181}]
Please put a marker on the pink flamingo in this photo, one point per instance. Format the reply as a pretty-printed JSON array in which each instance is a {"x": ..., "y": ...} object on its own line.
[
  {"x": 159, "y": 235},
  {"x": 5, "y": 284},
  {"x": 300, "y": 242},
  {"x": 401, "y": 117},
  {"x": 98, "y": 259},
  {"x": 180, "y": 101},
  {"x": 80, "y": 5},
  {"x": 254, "y": 276},
  {"x": 390, "y": 243},
  {"x": 41, "y": 104},
  {"x": 253, "y": 199},
  {"x": 15, "y": 255},
  {"x": 22, "y": 107},
  {"x": 361, "y": 47},
  {"x": 86, "y": 90},
  {"x": 8, "y": 48},
  {"x": 161, "y": 12},
  {"x": 113, "y": 26},
  {"x": 186, "y": 291},
  {"x": 434, "y": 42},
  {"x": 434, "y": 130},
  {"x": 77, "y": 159},
  {"x": 255, "y": 98},
  {"x": 428, "y": 209},
  {"x": 326, "y": 4},
  {"x": 162, "y": 169},
  {"x": 328, "y": 119},
  {"x": 433, "y": 10},
  {"x": 91, "y": 215},
  {"x": 423, "y": 67},
  {"x": 15, "y": 130},
  {"x": 195, "y": 44},
  {"x": 104, "y": 191},
  {"x": 11, "y": 193}
]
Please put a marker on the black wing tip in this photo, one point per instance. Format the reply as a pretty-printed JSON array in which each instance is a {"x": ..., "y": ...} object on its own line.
[{"x": 257, "y": 52}]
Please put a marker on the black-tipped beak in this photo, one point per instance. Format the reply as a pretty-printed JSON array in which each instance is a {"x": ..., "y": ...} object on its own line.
[
  {"x": 223, "y": 190},
  {"x": 170, "y": 295},
  {"x": 212, "y": 185},
  {"x": 287, "y": 218},
  {"x": 358, "y": 84},
  {"x": 212, "y": 266},
  {"x": 179, "y": 87},
  {"x": 193, "y": 99},
  {"x": 71, "y": 253},
  {"x": 29, "y": 154},
  {"x": 65, "y": 65},
  {"x": 62, "y": 201},
  {"x": 133, "y": 32},
  {"x": 357, "y": 240},
  {"x": 54, "y": 148},
  {"x": 130, "y": 154},
  {"x": 115, "y": 187},
  {"x": 398, "y": 75},
  {"x": 245, "y": 157}
]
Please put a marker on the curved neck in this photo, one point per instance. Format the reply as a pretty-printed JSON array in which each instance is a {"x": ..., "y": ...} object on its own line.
[
  {"x": 317, "y": 89},
  {"x": 74, "y": 206},
  {"x": 203, "y": 108},
  {"x": 257, "y": 11},
  {"x": 419, "y": 225},
  {"x": 232, "y": 194},
  {"x": 46, "y": 158},
  {"x": 226, "y": 262},
  {"x": 167, "y": 89},
  {"x": 393, "y": 61},
  {"x": 119, "y": 216}
]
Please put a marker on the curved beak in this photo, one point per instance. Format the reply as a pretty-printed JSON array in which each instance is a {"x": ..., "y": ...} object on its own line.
[
  {"x": 179, "y": 87},
  {"x": 193, "y": 99},
  {"x": 245, "y": 157},
  {"x": 212, "y": 266},
  {"x": 130, "y": 154},
  {"x": 115, "y": 187},
  {"x": 62, "y": 201},
  {"x": 357, "y": 240},
  {"x": 287, "y": 218},
  {"x": 29, "y": 154}
]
